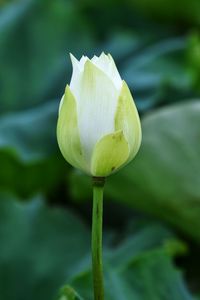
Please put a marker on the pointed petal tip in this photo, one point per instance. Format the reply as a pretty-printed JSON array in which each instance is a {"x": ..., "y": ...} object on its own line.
[
  {"x": 92, "y": 67},
  {"x": 110, "y": 57},
  {"x": 89, "y": 63},
  {"x": 94, "y": 58},
  {"x": 103, "y": 56},
  {"x": 74, "y": 60},
  {"x": 67, "y": 88},
  {"x": 71, "y": 55},
  {"x": 82, "y": 61},
  {"x": 83, "y": 57}
]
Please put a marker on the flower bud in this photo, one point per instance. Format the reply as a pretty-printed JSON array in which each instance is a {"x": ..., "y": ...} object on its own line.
[{"x": 98, "y": 128}]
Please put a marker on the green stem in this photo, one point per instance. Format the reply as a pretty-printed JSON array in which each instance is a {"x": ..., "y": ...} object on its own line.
[{"x": 97, "y": 216}]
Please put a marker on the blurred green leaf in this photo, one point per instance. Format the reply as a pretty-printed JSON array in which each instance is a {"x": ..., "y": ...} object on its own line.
[
  {"x": 40, "y": 248},
  {"x": 34, "y": 67},
  {"x": 27, "y": 179},
  {"x": 160, "y": 12},
  {"x": 68, "y": 293},
  {"x": 157, "y": 71},
  {"x": 30, "y": 134},
  {"x": 139, "y": 268},
  {"x": 193, "y": 56},
  {"x": 164, "y": 178},
  {"x": 29, "y": 157},
  {"x": 176, "y": 13},
  {"x": 148, "y": 277},
  {"x": 51, "y": 246}
]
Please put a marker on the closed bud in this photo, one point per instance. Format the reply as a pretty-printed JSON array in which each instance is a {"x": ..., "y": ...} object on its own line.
[{"x": 98, "y": 128}]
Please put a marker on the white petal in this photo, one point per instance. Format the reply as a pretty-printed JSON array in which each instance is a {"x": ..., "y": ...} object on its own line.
[
  {"x": 96, "y": 105},
  {"x": 107, "y": 65},
  {"x": 78, "y": 68},
  {"x": 75, "y": 72},
  {"x": 82, "y": 62},
  {"x": 75, "y": 64},
  {"x": 102, "y": 62}
]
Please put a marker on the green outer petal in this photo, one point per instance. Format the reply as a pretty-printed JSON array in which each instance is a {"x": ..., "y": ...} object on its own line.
[
  {"x": 110, "y": 153},
  {"x": 127, "y": 120},
  {"x": 68, "y": 133}
]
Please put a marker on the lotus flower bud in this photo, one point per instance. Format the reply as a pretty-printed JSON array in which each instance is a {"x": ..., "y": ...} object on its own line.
[{"x": 98, "y": 128}]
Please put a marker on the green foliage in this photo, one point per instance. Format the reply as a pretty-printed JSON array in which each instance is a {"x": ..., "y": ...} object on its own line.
[
  {"x": 139, "y": 268},
  {"x": 40, "y": 248},
  {"x": 24, "y": 133},
  {"x": 28, "y": 151},
  {"x": 164, "y": 178},
  {"x": 67, "y": 293},
  {"x": 51, "y": 246},
  {"x": 32, "y": 65},
  {"x": 193, "y": 54}
]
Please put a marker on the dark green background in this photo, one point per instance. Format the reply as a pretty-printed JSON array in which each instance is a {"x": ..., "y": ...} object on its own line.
[{"x": 151, "y": 207}]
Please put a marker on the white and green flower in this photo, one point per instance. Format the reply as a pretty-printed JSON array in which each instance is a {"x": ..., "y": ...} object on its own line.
[{"x": 98, "y": 127}]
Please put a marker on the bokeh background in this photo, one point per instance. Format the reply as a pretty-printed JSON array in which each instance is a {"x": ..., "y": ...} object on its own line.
[{"x": 151, "y": 207}]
